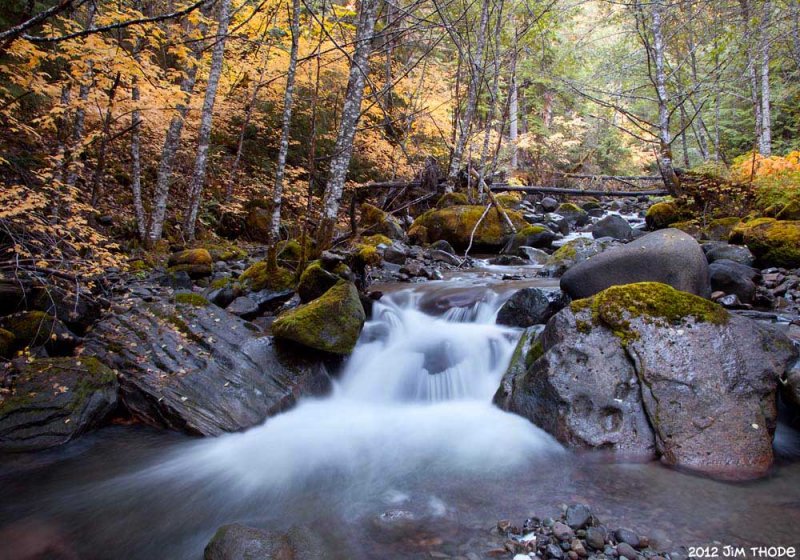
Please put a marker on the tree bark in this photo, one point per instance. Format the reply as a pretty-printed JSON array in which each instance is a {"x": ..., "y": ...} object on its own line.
[
  {"x": 136, "y": 150},
  {"x": 80, "y": 111},
  {"x": 206, "y": 118},
  {"x": 492, "y": 109},
  {"x": 288, "y": 99},
  {"x": 766, "y": 113},
  {"x": 100, "y": 167},
  {"x": 351, "y": 112}
]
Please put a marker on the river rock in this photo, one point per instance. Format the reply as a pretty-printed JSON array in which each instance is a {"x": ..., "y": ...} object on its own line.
[
  {"x": 734, "y": 278},
  {"x": 596, "y": 537},
  {"x": 532, "y": 236},
  {"x": 549, "y": 204},
  {"x": 578, "y": 516},
  {"x": 613, "y": 226},
  {"x": 576, "y": 251},
  {"x": 36, "y": 328},
  {"x": 668, "y": 256},
  {"x": 199, "y": 369},
  {"x": 331, "y": 323},
  {"x": 374, "y": 220},
  {"x": 196, "y": 263},
  {"x": 456, "y": 224},
  {"x": 315, "y": 281},
  {"x": 575, "y": 215},
  {"x": 719, "y": 250},
  {"x": 531, "y": 306},
  {"x": 54, "y": 400},
  {"x": 243, "y": 307},
  {"x": 239, "y": 542},
  {"x": 623, "y": 535},
  {"x": 443, "y": 256}
]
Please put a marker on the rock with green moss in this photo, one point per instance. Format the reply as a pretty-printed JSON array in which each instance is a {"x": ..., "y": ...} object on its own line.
[
  {"x": 258, "y": 222},
  {"x": 331, "y": 323},
  {"x": 196, "y": 263},
  {"x": 774, "y": 242},
  {"x": 191, "y": 298},
  {"x": 54, "y": 400},
  {"x": 200, "y": 370},
  {"x": 790, "y": 211},
  {"x": 692, "y": 227},
  {"x": 455, "y": 225},
  {"x": 668, "y": 255},
  {"x": 509, "y": 200},
  {"x": 375, "y": 240},
  {"x": 226, "y": 252},
  {"x": 720, "y": 229},
  {"x": 259, "y": 277},
  {"x": 374, "y": 220},
  {"x": 36, "y": 328},
  {"x": 575, "y": 251},
  {"x": 290, "y": 252},
  {"x": 705, "y": 379},
  {"x": 661, "y": 214},
  {"x": 315, "y": 281},
  {"x": 539, "y": 237},
  {"x": 7, "y": 343},
  {"x": 452, "y": 199},
  {"x": 574, "y": 214},
  {"x": 737, "y": 233}
]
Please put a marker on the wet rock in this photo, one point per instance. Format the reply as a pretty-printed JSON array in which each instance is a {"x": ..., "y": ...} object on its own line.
[
  {"x": 718, "y": 251},
  {"x": 614, "y": 226},
  {"x": 456, "y": 224},
  {"x": 668, "y": 256},
  {"x": 536, "y": 256},
  {"x": 238, "y": 542},
  {"x": 734, "y": 278},
  {"x": 549, "y": 204},
  {"x": 575, "y": 215},
  {"x": 557, "y": 223},
  {"x": 562, "y": 532},
  {"x": 596, "y": 537},
  {"x": 442, "y": 245},
  {"x": 395, "y": 254},
  {"x": 221, "y": 296},
  {"x": 532, "y": 236},
  {"x": 200, "y": 369},
  {"x": 730, "y": 301},
  {"x": 531, "y": 306},
  {"x": 196, "y": 263},
  {"x": 54, "y": 400},
  {"x": 507, "y": 260},
  {"x": 177, "y": 280},
  {"x": 330, "y": 323},
  {"x": 790, "y": 388},
  {"x": 243, "y": 307},
  {"x": 315, "y": 281},
  {"x": 553, "y": 551},
  {"x": 623, "y": 535},
  {"x": 269, "y": 300},
  {"x": 578, "y": 516},
  {"x": 32, "y": 329},
  {"x": 627, "y": 551},
  {"x": 574, "y": 252},
  {"x": 445, "y": 257}
]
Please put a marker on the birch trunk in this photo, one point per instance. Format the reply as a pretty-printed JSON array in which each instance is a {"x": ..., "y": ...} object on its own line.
[
  {"x": 288, "y": 99},
  {"x": 80, "y": 111},
  {"x": 136, "y": 159},
  {"x": 475, "y": 74},
  {"x": 206, "y": 118},
  {"x": 170, "y": 149},
  {"x": 490, "y": 116},
  {"x": 351, "y": 112},
  {"x": 766, "y": 113}
]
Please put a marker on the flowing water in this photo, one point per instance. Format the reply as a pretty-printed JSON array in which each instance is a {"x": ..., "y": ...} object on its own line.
[{"x": 406, "y": 457}]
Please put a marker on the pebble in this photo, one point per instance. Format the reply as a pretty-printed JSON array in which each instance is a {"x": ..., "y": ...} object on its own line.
[
  {"x": 553, "y": 551},
  {"x": 626, "y": 551},
  {"x": 627, "y": 536},
  {"x": 596, "y": 537},
  {"x": 578, "y": 516},
  {"x": 562, "y": 532}
]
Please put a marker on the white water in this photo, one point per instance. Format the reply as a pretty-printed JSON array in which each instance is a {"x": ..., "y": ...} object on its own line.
[{"x": 414, "y": 396}]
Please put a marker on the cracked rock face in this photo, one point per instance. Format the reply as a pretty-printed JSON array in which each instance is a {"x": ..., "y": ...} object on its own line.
[{"x": 700, "y": 394}]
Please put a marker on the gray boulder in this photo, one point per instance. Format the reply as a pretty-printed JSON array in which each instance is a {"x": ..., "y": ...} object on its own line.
[
  {"x": 243, "y": 307},
  {"x": 198, "y": 368},
  {"x": 719, "y": 250},
  {"x": 614, "y": 226},
  {"x": 531, "y": 306},
  {"x": 549, "y": 204},
  {"x": 669, "y": 256},
  {"x": 54, "y": 400},
  {"x": 734, "y": 278}
]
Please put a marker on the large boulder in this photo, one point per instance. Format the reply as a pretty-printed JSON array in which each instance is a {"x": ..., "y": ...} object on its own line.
[
  {"x": 331, "y": 323},
  {"x": 773, "y": 242},
  {"x": 668, "y": 256},
  {"x": 576, "y": 251},
  {"x": 54, "y": 400},
  {"x": 196, "y": 263},
  {"x": 706, "y": 380},
  {"x": 734, "y": 278},
  {"x": 614, "y": 226},
  {"x": 661, "y": 214},
  {"x": 456, "y": 223},
  {"x": 260, "y": 276},
  {"x": 531, "y": 306},
  {"x": 197, "y": 368}
]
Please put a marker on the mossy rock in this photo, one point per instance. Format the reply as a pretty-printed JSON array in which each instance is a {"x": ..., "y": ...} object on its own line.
[
  {"x": 375, "y": 240},
  {"x": 452, "y": 199},
  {"x": 720, "y": 229},
  {"x": 7, "y": 343},
  {"x": 258, "y": 277},
  {"x": 290, "y": 252},
  {"x": 591, "y": 205},
  {"x": 374, "y": 220},
  {"x": 195, "y": 262},
  {"x": 224, "y": 282},
  {"x": 790, "y": 212},
  {"x": 692, "y": 227},
  {"x": 139, "y": 265},
  {"x": 532, "y": 236},
  {"x": 191, "y": 298},
  {"x": 663, "y": 214},
  {"x": 455, "y": 225},
  {"x": 37, "y": 328},
  {"x": 738, "y": 232},
  {"x": 226, "y": 252},
  {"x": 775, "y": 243},
  {"x": 331, "y": 323},
  {"x": 508, "y": 199},
  {"x": 367, "y": 255},
  {"x": 315, "y": 281},
  {"x": 657, "y": 303}
]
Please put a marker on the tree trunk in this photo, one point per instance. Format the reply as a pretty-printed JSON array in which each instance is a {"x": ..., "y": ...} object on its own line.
[
  {"x": 475, "y": 75},
  {"x": 513, "y": 108},
  {"x": 766, "y": 113},
  {"x": 351, "y": 112},
  {"x": 169, "y": 151},
  {"x": 100, "y": 167},
  {"x": 288, "y": 99},
  {"x": 206, "y": 118},
  {"x": 492, "y": 109},
  {"x": 80, "y": 111}
]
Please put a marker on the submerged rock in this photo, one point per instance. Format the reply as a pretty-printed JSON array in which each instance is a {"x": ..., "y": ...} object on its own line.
[
  {"x": 54, "y": 400},
  {"x": 645, "y": 362},
  {"x": 331, "y": 323},
  {"x": 668, "y": 256},
  {"x": 200, "y": 369}
]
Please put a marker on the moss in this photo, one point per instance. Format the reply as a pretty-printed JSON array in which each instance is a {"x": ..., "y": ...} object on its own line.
[
  {"x": 738, "y": 232},
  {"x": 190, "y": 257},
  {"x": 291, "y": 251},
  {"x": 790, "y": 211},
  {"x": 331, "y": 323},
  {"x": 418, "y": 234},
  {"x": 591, "y": 205},
  {"x": 455, "y": 225},
  {"x": 371, "y": 215},
  {"x": 258, "y": 277},
  {"x": 190, "y": 298},
  {"x": 508, "y": 199},
  {"x": 367, "y": 255},
  {"x": 656, "y": 303},
  {"x": 452, "y": 199},
  {"x": 775, "y": 243},
  {"x": 314, "y": 282},
  {"x": 30, "y": 328},
  {"x": 224, "y": 282},
  {"x": 226, "y": 252},
  {"x": 692, "y": 227},
  {"x": 566, "y": 251},
  {"x": 375, "y": 240},
  {"x": 536, "y": 351},
  {"x": 721, "y": 228},
  {"x": 7, "y": 340},
  {"x": 662, "y": 215},
  {"x": 569, "y": 208},
  {"x": 139, "y": 266}
]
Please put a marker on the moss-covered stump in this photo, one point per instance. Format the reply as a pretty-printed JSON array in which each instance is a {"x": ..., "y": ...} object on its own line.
[
  {"x": 774, "y": 242},
  {"x": 661, "y": 214},
  {"x": 36, "y": 328},
  {"x": 54, "y": 400},
  {"x": 331, "y": 323},
  {"x": 374, "y": 220},
  {"x": 704, "y": 379},
  {"x": 452, "y": 199},
  {"x": 455, "y": 225},
  {"x": 195, "y": 262},
  {"x": 259, "y": 277},
  {"x": 539, "y": 237}
]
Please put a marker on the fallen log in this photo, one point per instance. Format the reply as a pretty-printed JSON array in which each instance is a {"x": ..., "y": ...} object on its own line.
[
  {"x": 575, "y": 192},
  {"x": 612, "y": 177}
]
